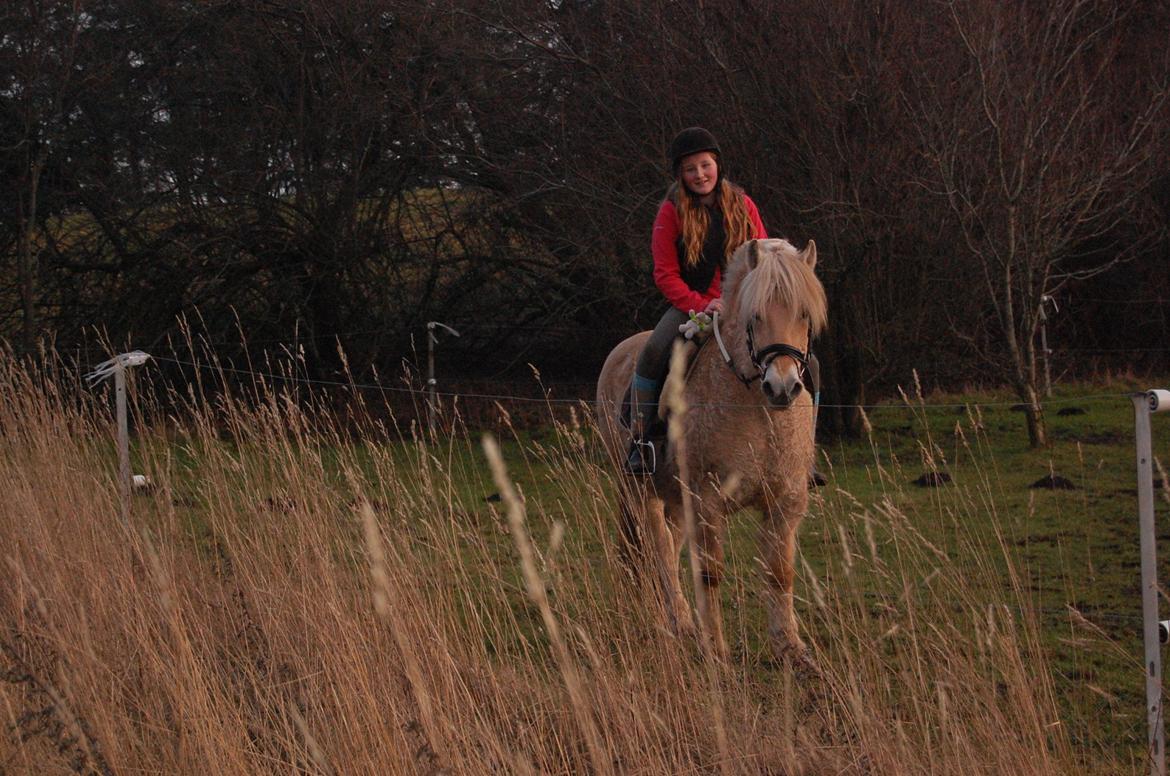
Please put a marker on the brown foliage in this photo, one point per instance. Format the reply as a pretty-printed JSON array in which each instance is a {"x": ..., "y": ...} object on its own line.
[{"x": 319, "y": 172}]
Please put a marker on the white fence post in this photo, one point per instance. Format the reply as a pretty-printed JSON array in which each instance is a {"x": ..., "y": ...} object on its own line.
[
  {"x": 1144, "y": 404},
  {"x": 123, "y": 439},
  {"x": 117, "y": 366},
  {"x": 1045, "y": 351},
  {"x": 432, "y": 340}
]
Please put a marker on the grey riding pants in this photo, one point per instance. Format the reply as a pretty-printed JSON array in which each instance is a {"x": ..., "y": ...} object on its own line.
[{"x": 654, "y": 361}]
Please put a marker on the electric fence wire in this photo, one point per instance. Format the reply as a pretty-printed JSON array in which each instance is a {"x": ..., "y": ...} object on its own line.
[
  {"x": 425, "y": 392},
  {"x": 477, "y": 326},
  {"x": 1116, "y": 618}
]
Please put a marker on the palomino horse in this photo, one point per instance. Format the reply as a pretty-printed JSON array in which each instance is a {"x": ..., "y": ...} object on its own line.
[{"x": 745, "y": 445}]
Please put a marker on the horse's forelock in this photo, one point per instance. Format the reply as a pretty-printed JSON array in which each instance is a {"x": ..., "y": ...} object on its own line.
[{"x": 780, "y": 275}]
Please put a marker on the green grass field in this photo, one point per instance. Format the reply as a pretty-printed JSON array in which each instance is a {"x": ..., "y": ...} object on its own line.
[
  {"x": 1075, "y": 549},
  {"x": 293, "y": 597}
]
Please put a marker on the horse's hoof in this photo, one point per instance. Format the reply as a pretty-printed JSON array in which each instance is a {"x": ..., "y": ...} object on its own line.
[
  {"x": 682, "y": 628},
  {"x": 800, "y": 660},
  {"x": 805, "y": 667},
  {"x": 716, "y": 647},
  {"x": 682, "y": 623}
]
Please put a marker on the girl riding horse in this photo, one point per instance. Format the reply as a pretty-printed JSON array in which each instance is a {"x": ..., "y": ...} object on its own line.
[
  {"x": 700, "y": 223},
  {"x": 745, "y": 439}
]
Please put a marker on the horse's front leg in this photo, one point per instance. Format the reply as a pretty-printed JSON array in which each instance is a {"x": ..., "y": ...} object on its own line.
[
  {"x": 666, "y": 540},
  {"x": 778, "y": 545},
  {"x": 709, "y": 524}
]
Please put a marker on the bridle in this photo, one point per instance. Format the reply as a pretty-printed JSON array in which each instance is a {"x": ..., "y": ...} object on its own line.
[{"x": 763, "y": 358}]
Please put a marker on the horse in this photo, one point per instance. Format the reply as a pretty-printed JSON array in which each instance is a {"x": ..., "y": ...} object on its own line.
[{"x": 744, "y": 445}]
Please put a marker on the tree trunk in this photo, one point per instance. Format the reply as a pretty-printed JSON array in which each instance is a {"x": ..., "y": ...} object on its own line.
[
  {"x": 27, "y": 259},
  {"x": 1034, "y": 412},
  {"x": 843, "y": 387}
]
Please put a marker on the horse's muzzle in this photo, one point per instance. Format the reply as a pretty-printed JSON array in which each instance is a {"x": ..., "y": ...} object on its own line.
[{"x": 783, "y": 396}]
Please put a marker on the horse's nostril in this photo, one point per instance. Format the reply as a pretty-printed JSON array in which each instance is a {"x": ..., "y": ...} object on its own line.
[
  {"x": 768, "y": 389},
  {"x": 796, "y": 390}
]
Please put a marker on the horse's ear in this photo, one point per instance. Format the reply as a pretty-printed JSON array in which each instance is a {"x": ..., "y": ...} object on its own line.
[
  {"x": 753, "y": 254},
  {"x": 809, "y": 254}
]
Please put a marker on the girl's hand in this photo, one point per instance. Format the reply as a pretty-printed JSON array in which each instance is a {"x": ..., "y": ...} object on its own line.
[{"x": 714, "y": 306}]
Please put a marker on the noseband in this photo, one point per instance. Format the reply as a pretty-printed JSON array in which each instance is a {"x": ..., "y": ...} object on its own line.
[{"x": 764, "y": 357}]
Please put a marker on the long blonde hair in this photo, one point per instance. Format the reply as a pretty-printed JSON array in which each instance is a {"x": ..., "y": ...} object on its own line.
[{"x": 694, "y": 221}]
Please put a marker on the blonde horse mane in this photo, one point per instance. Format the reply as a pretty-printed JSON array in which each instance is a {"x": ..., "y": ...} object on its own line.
[{"x": 781, "y": 275}]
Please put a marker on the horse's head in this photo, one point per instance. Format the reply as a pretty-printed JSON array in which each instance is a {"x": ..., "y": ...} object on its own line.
[{"x": 777, "y": 305}]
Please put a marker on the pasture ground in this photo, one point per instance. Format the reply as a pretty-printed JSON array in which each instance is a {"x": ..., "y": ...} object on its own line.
[{"x": 294, "y": 597}]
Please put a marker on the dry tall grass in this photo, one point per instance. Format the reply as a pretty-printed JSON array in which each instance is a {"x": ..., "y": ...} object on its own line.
[{"x": 297, "y": 598}]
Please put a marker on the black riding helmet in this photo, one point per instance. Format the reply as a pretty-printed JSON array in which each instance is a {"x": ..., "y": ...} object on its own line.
[{"x": 691, "y": 140}]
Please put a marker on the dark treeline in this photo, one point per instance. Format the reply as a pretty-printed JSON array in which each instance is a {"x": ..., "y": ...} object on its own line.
[{"x": 326, "y": 171}]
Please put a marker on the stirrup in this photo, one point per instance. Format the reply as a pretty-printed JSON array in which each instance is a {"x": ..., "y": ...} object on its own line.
[{"x": 642, "y": 458}]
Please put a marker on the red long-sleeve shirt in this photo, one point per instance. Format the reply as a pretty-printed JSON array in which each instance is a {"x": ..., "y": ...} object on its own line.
[{"x": 663, "y": 246}]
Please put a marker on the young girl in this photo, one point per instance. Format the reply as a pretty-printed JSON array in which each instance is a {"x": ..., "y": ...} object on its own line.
[{"x": 703, "y": 219}]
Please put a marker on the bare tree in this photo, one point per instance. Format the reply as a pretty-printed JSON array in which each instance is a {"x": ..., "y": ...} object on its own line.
[
  {"x": 314, "y": 170},
  {"x": 37, "y": 53},
  {"x": 1041, "y": 127},
  {"x": 841, "y": 151}
]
